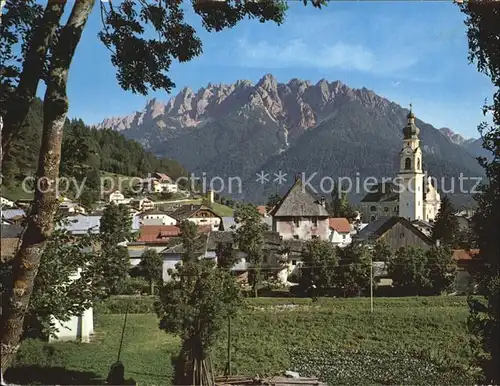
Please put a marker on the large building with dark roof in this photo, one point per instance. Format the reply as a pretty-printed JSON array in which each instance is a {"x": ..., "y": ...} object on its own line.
[
  {"x": 300, "y": 215},
  {"x": 411, "y": 195}
]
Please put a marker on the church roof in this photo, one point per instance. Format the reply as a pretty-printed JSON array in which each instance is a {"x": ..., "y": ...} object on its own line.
[
  {"x": 388, "y": 192},
  {"x": 299, "y": 201},
  {"x": 382, "y": 192}
]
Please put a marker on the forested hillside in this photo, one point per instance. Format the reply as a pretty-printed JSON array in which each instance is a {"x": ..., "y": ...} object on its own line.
[{"x": 86, "y": 152}]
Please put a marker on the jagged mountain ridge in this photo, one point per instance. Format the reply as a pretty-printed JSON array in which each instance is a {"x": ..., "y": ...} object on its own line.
[
  {"x": 237, "y": 129},
  {"x": 296, "y": 106}
]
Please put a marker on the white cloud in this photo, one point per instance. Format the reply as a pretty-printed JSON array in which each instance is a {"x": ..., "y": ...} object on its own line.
[{"x": 296, "y": 53}]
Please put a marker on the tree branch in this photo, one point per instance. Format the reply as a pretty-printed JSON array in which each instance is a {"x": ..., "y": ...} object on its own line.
[
  {"x": 32, "y": 69},
  {"x": 40, "y": 222}
]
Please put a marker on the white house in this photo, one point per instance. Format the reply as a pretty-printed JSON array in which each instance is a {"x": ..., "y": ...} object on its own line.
[
  {"x": 159, "y": 183},
  {"x": 143, "y": 204},
  {"x": 78, "y": 328},
  {"x": 199, "y": 214},
  {"x": 157, "y": 217},
  {"x": 340, "y": 231},
  {"x": 71, "y": 207},
  {"x": 118, "y": 198},
  {"x": 6, "y": 203}
]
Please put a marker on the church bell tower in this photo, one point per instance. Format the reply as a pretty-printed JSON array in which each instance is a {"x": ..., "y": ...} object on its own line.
[{"x": 410, "y": 177}]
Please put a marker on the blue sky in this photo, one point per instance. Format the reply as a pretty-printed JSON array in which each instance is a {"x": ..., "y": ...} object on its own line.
[{"x": 405, "y": 51}]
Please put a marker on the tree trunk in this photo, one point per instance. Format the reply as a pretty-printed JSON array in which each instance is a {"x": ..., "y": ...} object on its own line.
[
  {"x": 40, "y": 220},
  {"x": 32, "y": 71}
]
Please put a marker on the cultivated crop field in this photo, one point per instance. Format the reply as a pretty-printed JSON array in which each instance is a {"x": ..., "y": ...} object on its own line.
[{"x": 404, "y": 341}]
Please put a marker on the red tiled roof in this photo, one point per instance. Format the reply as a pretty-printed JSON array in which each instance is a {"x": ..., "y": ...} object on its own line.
[
  {"x": 462, "y": 254},
  {"x": 163, "y": 233},
  {"x": 157, "y": 233},
  {"x": 262, "y": 210},
  {"x": 163, "y": 176},
  {"x": 340, "y": 224}
]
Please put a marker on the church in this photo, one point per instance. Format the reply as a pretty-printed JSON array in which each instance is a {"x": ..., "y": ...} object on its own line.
[{"x": 411, "y": 195}]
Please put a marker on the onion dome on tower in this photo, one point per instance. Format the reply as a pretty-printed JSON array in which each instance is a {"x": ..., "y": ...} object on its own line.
[{"x": 411, "y": 131}]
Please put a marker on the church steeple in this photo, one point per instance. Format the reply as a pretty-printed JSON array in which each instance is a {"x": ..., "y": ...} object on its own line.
[
  {"x": 410, "y": 172},
  {"x": 411, "y": 131}
]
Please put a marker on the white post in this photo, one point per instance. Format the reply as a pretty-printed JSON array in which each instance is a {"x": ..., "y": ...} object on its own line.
[{"x": 371, "y": 283}]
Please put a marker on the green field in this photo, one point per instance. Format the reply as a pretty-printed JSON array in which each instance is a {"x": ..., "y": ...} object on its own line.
[{"x": 404, "y": 341}]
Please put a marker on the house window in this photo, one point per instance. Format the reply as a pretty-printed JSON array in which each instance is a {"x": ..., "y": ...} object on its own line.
[
  {"x": 372, "y": 218},
  {"x": 396, "y": 209},
  {"x": 419, "y": 203},
  {"x": 314, "y": 236},
  {"x": 296, "y": 237},
  {"x": 296, "y": 221},
  {"x": 373, "y": 209},
  {"x": 294, "y": 262},
  {"x": 407, "y": 163},
  {"x": 401, "y": 235},
  {"x": 315, "y": 221},
  {"x": 386, "y": 209},
  {"x": 418, "y": 163},
  {"x": 264, "y": 259},
  {"x": 343, "y": 237}
]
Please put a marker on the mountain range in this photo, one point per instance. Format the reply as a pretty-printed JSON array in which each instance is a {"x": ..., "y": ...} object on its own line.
[{"x": 327, "y": 128}]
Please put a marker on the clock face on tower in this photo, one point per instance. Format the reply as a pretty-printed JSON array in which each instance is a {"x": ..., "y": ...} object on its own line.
[{"x": 407, "y": 151}]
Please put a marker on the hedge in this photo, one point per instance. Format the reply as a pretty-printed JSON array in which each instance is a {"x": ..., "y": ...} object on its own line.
[{"x": 136, "y": 304}]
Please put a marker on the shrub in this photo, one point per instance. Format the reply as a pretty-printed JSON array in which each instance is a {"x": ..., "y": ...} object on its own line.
[
  {"x": 134, "y": 286},
  {"x": 119, "y": 305},
  {"x": 44, "y": 355}
]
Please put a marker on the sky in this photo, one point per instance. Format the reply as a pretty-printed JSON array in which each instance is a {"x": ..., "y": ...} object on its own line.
[{"x": 408, "y": 51}]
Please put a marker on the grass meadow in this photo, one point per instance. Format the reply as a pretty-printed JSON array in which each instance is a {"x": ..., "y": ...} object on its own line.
[{"x": 404, "y": 341}]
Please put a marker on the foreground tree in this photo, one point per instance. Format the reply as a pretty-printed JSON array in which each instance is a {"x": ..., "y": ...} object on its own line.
[
  {"x": 484, "y": 320},
  {"x": 409, "y": 272},
  {"x": 446, "y": 227},
  {"x": 151, "y": 267},
  {"x": 250, "y": 239},
  {"x": 195, "y": 304},
  {"x": 382, "y": 251},
  {"x": 74, "y": 272},
  {"x": 142, "y": 63},
  {"x": 441, "y": 268},
  {"x": 115, "y": 228},
  {"x": 65, "y": 285},
  {"x": 226, "y": 255},
  {"x": 353, "y": 272},
  {"x": 317, "y": 273}
]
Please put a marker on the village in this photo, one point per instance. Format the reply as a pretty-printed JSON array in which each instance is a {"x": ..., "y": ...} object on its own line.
[
  {"x": 242, "y": 193},
  {"x": 295, "y": 219}
]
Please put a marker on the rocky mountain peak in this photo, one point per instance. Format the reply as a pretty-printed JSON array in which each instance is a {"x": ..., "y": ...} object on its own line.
[
  {"x": 268, "y": 82},
  {"x": 456, "y": 138}
]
